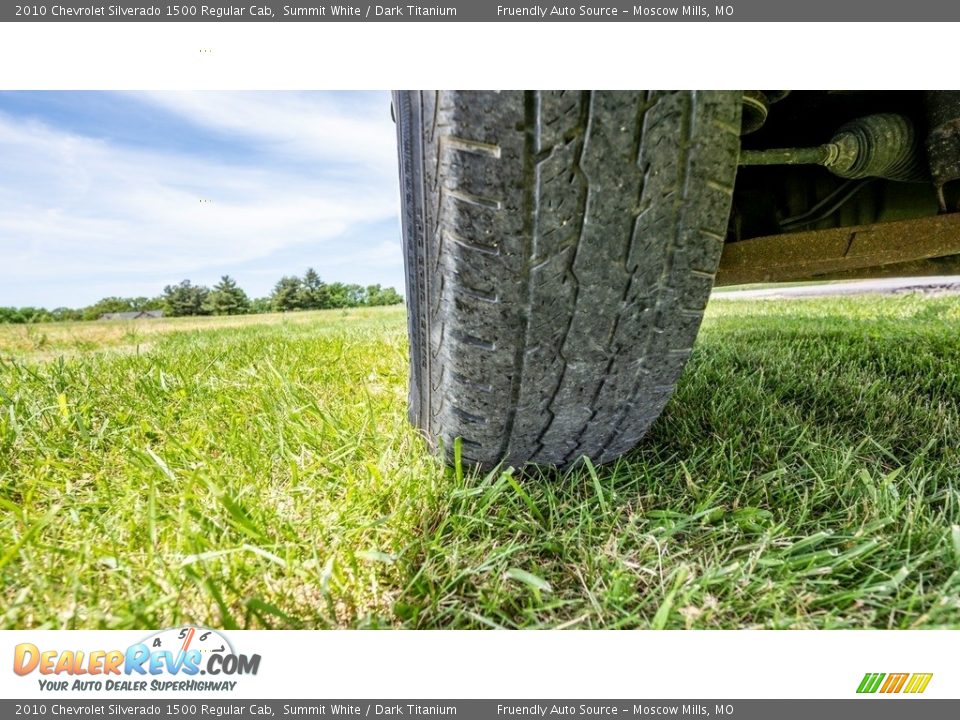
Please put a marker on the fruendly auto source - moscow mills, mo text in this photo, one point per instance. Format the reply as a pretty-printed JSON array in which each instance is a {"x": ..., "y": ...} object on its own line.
[{"x": 614, "y": 11}]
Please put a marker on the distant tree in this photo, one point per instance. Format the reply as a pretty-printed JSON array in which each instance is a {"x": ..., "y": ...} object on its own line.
[
  {"x": 314, "y": 291},
  {"x": 287, "y": 294},
  {"x": 25, "y": 315},
  {"x": 145, "y": 303},
  {"x": 371, "y": 295},
  {"x": 107, "y": 305},
  {"x": 356, "y": 295},
  {"x": 261, "y": 305},
  {"x": 185, "y": 298},
  {"x": 382, "y": 296},
  {"x": 11, "y": 315},
  {"x": 391, "y": 297},
  {"x": 39, "y": 315},
  {"x": 227, "y": 298},
  {"x": 339, "y": 295},
  {"x": 62, "y": 314}
]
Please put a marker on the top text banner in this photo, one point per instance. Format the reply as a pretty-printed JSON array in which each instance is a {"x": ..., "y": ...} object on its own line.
[{"x": 486, "y": 11}]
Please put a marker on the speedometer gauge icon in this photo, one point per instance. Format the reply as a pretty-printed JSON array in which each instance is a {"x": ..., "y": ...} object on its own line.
[{"x": 182, "y": 639}]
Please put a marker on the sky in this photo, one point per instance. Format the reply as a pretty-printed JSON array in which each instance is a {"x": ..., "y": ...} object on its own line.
[{"x": 105, "y": 194}]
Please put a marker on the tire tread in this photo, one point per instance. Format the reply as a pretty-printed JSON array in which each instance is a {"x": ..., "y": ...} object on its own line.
[{"x": 573, "y": 239}]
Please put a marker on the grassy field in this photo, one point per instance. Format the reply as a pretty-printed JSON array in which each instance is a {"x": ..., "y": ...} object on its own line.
[{"x": 260, "y": 472}]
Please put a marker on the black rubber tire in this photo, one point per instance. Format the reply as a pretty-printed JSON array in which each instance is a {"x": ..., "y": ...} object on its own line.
[{"x": 560, "y": 249}]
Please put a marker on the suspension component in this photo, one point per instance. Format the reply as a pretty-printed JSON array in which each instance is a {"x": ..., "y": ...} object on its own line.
[
  {"x": 756, "y": 107},
  {"x": 943, "y": 141},
  {"x": 827, "y": 206},
  {"x": 883, "y": 145},
  {"x": 858, "y": 249}
]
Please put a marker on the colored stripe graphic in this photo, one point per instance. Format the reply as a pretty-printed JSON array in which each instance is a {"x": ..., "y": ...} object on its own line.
[
  {"x": 918, "y": 682},
  {"x": 870, "y": 683},
  {"x": 894, "y": 683}
]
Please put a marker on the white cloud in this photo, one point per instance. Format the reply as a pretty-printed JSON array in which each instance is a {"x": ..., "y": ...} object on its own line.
[
  {"x": 73, "y": 207},
  {"x": 294, "y": 124}
]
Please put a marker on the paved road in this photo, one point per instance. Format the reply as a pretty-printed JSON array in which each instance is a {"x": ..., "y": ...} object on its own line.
[{"x": 886, "y": 286}]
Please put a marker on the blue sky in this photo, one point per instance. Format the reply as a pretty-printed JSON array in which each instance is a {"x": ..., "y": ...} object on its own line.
[{"x": 100, "y": 193}]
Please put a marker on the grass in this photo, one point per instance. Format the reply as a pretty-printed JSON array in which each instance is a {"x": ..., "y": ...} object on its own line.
[{"x": 261, "y": 473}]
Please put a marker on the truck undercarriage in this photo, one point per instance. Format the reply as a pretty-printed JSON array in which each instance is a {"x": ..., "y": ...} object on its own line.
[{"x": 843, "y": 185}]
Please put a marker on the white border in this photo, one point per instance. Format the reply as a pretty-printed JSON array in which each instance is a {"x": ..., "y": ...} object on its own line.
[
  {"x": 515, "y": 665},
  {"x": 509, "y": 55}
]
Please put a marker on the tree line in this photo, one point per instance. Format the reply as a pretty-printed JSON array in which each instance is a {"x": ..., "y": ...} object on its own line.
[{"x": 225, "y": 298}]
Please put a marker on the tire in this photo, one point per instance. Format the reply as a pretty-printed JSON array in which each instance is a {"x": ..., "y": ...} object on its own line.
[{"x": 560, "y": 249}]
